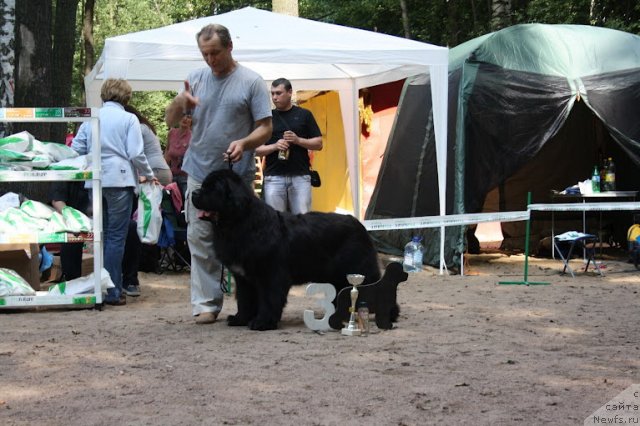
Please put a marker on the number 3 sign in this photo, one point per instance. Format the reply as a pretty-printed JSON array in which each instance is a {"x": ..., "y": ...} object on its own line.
[{"x": 328, "y": 293}]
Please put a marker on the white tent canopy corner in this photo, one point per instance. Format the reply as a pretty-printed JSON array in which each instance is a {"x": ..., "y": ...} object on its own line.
[{"x": 313, "y": 55}]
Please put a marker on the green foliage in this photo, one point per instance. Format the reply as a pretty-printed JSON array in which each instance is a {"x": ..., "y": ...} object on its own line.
[
  {"x": 373, "y": 15},
  {"x": 618, "y": 14},
  {"x": 152, "y": 105},
  {"x": 117, "y": 17},
  {"x": 449, "y": 23},
  {"x": 184, "y": 11},
  {"x": 556, "y": 12},
  {"x": 439, "y": 22}
]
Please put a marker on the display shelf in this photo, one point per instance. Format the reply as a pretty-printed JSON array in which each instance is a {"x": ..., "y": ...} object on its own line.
[
  {"x": 59, "y": 114},
  {"x": 43, "y": 298},
  {"x": 47, "y": 114},
  {"x": 45, "y": 237},
  {"x": 44, "y": 175}
]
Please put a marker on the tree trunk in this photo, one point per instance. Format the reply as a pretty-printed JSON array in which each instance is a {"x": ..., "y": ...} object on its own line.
[
  {"x": 62, "y": 60},
  {"x": 474, "y": 15},
  {"x": 33, "y": 61},
  {"x": 87, "y": 34},
  {"x": 453, "y": 28},
  {"x": 285, "y": 7},
  {"x": 33, "y": 79},
  {"x": 500, "y": 14},
  {"x": 405, "y": 19},
  {"x": 7, "y": 57}
]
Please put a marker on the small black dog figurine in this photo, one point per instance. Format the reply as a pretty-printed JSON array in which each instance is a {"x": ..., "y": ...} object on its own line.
[{"x": 380, "y": 297}]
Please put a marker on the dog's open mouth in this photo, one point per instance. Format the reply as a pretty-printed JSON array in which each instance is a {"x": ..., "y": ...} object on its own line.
[{"x": 206, "y": 215}]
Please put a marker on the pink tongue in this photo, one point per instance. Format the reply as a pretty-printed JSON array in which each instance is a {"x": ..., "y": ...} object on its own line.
[{"x": 202, "y": 213}]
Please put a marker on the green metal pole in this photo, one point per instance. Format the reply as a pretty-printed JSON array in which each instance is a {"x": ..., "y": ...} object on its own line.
[
  {"x": 526, "y": 253},
  {"x": 526, "y": 240}
]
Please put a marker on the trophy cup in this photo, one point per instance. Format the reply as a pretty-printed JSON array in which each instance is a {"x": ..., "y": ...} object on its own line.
[{"x": 352, "y": 329}]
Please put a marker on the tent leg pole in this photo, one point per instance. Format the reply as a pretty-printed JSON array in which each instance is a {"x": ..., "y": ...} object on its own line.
[{"x": 442, "y": 228}]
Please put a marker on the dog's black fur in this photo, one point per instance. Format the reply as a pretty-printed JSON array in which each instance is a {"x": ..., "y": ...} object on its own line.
[{"x": 268, "y": 251}]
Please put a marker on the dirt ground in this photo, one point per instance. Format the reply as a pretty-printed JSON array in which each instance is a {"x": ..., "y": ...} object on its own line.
[{"x": 466, "y": 350}]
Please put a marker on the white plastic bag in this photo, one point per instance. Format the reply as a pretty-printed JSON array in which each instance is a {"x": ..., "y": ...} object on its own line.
[
  {"x": 81, "y": 162},
  {"x": 82, "y": 285},
  {"x": 55, "y": 151},
  {"x": 8, "y": 200},
  {"x": 12, "y": 284},
  {"x": 75, "y": 220},
  {"x": 149, "y": 212},
  {"x": 37, "y": 209},
  {"x": 18, "y": 142},
  {"x": 56, "y": 223},
  {"x": 22, "y": 222}
]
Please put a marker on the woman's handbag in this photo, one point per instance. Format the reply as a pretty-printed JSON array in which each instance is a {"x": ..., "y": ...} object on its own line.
[{"x": 315, "y": 178}]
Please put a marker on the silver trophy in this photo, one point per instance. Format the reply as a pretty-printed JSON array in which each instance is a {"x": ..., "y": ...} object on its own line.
[{"x": 352, "y": 329}]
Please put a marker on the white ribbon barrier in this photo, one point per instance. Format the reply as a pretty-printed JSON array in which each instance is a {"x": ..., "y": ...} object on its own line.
[
  {"x": 440, "y": 221},
  {"x": 585, "y": 207},
  {"x": 474, "y": 218}
]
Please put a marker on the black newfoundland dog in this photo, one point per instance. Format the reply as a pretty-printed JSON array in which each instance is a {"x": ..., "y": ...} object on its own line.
[{"x": 268, "y": 251}]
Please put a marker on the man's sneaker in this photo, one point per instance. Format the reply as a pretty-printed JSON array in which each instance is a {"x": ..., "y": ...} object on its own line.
[
  {"x": 206, "y": 318},
  {"x": 132, "y": 290}
]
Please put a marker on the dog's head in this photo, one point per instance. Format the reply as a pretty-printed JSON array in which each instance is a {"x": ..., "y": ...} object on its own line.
[{"x": 222, "y": 194}]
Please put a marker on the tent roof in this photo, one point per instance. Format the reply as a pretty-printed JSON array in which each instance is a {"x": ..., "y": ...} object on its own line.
[
  {"x": 561, "y": 50},
  {"x": 270, "y": 43},
  {"x": 313, "y": 55}
]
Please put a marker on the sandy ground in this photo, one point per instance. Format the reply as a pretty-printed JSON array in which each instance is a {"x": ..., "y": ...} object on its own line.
[{"x": 466, "y": 350}]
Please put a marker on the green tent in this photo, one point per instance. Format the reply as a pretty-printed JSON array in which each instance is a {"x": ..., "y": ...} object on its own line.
[{"x": 532, "y": 107}]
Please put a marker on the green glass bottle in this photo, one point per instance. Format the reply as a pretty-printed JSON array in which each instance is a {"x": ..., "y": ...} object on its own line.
[{"x": 595, "y": 180}]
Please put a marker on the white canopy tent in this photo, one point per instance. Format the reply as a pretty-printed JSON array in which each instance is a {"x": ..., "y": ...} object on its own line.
[{"x": 313, "y": 55}]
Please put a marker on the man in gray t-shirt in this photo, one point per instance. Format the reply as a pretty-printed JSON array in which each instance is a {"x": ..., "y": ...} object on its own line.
[{"x": 231, "y": 114}]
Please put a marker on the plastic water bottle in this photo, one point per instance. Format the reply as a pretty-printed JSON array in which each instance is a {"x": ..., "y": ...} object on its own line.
[
  {"x": 610, "y": 175},
  {"x": 603, "y": 173},
  {"x": 363, "y": 318},
  {"x": 413, "y": 255}
]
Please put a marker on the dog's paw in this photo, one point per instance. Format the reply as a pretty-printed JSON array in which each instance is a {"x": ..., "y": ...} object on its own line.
[
  {"x": 261, "y": 324},
  {"x": 383, "y": 322},
  {"x": 235, "y": 321}
]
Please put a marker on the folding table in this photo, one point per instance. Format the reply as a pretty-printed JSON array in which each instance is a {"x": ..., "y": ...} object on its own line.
[{"x": 606, "y": 196}]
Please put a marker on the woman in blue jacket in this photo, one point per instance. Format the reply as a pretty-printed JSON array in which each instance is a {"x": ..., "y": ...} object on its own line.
[{"x": 124, "y": 164}]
